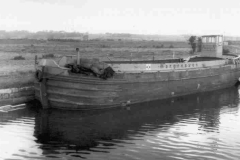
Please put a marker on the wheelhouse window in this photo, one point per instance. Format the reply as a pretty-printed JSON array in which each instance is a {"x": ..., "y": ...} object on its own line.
[
  {"x": 204, "y": 39},
  {"x": 220, "y": 39},
  {"x": 209, "y": 39},
  {"x": 213, "y": 39}
]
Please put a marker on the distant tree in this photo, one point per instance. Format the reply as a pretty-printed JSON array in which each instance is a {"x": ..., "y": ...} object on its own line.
[
  {"x": 192, "y": 42},
  {"x": 171, "y": 46},
  {"x": 199, "y": 44}
]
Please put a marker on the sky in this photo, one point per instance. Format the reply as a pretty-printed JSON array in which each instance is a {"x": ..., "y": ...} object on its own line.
[{"x": 162, "y": 17}]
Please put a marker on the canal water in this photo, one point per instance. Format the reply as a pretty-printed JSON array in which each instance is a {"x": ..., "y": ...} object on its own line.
[{"x": 202, "y": 126}]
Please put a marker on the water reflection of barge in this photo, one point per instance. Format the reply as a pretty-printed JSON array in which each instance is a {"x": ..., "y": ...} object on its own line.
[
  {"x": 137, "y": 81},
  {"x": 85, "y": 130}
]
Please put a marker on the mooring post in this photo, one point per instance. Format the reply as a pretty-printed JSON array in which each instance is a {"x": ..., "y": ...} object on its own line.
[
  {"x": 78, "y": 56},
  {"x": 35, "y": 61},
  {"x": 43, "y": 90}
]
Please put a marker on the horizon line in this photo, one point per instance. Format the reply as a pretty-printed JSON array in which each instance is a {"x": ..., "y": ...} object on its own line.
[{"x": 183, "y": 34}]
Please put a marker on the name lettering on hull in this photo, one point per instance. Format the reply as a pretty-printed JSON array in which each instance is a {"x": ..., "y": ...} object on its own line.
[{"x": 148, "y": 66}]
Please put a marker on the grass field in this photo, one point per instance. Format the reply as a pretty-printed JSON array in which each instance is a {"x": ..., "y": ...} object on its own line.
[
  {"x": 99, "y": 49},
  {"x": 104, "y": 50}
]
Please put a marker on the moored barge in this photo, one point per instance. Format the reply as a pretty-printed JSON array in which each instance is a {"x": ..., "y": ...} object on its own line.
[{"x": 57, "y": 86}]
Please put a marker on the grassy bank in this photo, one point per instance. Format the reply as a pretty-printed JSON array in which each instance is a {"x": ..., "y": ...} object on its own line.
[{"x": 16, "y": 79}]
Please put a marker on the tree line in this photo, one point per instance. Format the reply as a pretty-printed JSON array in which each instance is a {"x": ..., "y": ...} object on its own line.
[{"x": 41, "y": 35}]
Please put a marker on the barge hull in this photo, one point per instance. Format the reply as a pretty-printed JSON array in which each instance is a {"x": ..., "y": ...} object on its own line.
[{"x": 79, "y": 92}]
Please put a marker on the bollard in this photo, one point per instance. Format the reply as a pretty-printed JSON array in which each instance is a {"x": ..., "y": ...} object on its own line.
[
  {"x": 78, "y": 56},
  {"x": 43, "y": 91}
]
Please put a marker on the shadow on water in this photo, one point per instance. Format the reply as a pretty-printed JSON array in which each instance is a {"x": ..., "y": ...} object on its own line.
[{"x": 100, "y": 131}]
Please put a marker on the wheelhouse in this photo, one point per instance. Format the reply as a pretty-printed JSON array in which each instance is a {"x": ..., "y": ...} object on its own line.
[{"x": 212, "y": 45}]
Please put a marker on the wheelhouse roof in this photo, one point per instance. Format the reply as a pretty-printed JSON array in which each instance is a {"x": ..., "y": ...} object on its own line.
[{"x": 212, "y": 35}]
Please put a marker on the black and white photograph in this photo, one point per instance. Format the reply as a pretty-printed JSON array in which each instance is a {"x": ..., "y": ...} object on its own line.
[{"x": 119, "y": 80}]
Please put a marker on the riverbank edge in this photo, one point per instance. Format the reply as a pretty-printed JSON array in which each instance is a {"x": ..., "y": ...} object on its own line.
[{"x": 16, "y": 87}]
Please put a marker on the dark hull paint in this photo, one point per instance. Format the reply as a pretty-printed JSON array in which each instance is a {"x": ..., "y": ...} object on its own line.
[{"x": 78, "y": 92}]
